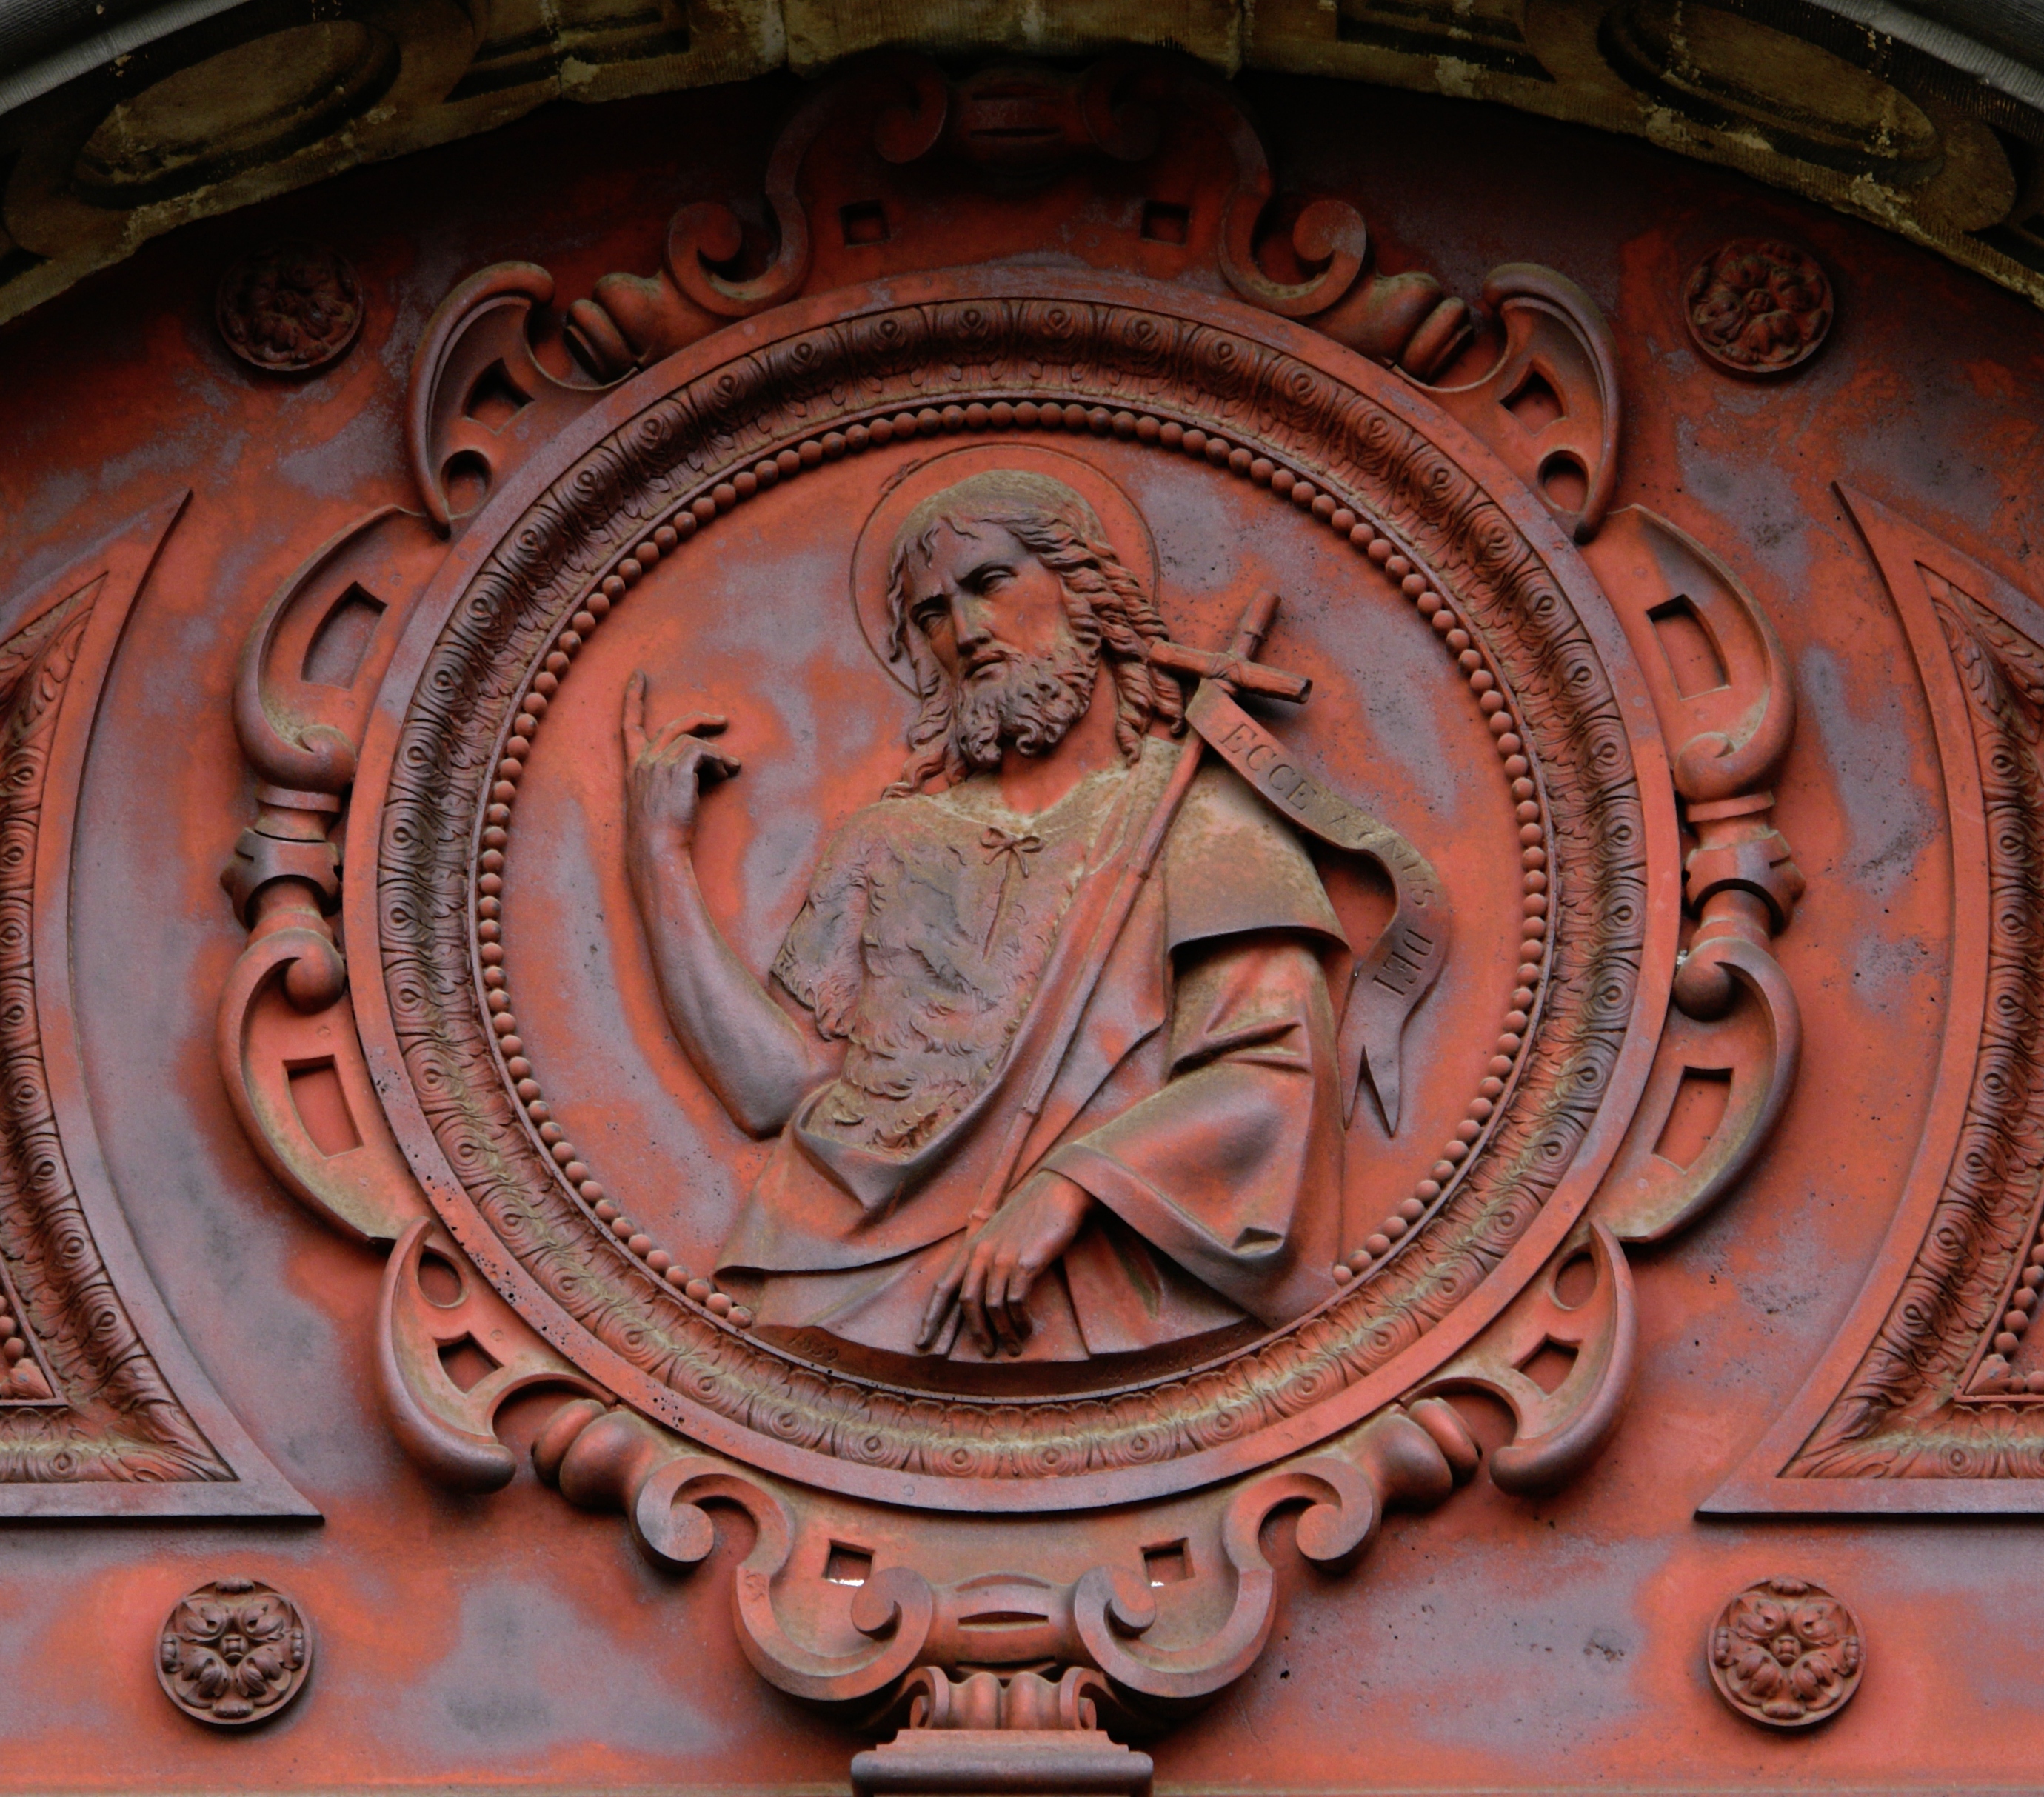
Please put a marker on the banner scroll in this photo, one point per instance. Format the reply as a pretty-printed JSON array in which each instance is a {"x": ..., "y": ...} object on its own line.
[{"x": 1391, "y": 977}]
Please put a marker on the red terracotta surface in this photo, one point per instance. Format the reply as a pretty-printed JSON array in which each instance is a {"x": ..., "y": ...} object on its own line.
[{"x": 1499, "y": 1642}]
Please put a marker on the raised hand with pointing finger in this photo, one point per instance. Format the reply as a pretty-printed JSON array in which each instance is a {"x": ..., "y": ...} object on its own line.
[
  {"x": 750, "y": 1052},
  {"x": 664, "y": 769}
]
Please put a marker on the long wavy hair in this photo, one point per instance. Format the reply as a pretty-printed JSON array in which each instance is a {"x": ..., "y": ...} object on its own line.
[{"x": 1109, "y": 614}]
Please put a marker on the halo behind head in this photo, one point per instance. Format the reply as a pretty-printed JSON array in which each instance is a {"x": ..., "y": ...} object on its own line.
[
  {"x": 999, "y": 496},
  {"x": 991, "y": 496},
  {"x": 985, "y": 480}
]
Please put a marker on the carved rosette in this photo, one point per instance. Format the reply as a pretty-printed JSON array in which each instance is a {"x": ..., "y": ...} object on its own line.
[
  {"x": 290, "y": 308},
  {"x": 233, "y": 1652},
  {"x": 1786, "y": 1653},
  {"x": 1758, "y": 307}
]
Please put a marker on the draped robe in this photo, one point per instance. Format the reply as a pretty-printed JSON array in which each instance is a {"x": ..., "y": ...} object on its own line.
[{"x": 1198, "y": 1102}]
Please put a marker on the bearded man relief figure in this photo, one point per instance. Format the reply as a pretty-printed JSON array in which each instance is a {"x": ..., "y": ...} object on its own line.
[{"x": 1050, "y": 1057}]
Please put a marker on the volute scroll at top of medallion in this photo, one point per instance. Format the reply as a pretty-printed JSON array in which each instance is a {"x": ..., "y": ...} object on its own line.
[{"x": 1141, "y": 164}]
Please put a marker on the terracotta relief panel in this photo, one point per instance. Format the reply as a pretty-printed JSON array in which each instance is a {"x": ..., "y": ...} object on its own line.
[
  {"x": 1073, "y": 910},
  {"x": 1934, "y": 1410}
]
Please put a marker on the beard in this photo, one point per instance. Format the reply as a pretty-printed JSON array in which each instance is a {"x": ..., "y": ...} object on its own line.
[{"x": 1029, "y": 700}]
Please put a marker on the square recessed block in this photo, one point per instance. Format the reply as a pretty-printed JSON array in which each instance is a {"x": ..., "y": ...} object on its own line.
[
  {"x": 1164, "y": 222},
  {"x": 864, "y": 222}
]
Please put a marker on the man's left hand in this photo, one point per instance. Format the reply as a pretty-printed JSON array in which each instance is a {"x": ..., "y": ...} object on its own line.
[{"x": 1004, "y": 1260}]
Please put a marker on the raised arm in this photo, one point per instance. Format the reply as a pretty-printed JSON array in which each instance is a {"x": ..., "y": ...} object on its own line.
[{"x": 757, "y": 1059}]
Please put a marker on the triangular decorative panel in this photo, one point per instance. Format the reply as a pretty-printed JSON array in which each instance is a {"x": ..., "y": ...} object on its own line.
[
  {"x": 104, "y": 1412},
  {"x": 1926, "y": 1402}
]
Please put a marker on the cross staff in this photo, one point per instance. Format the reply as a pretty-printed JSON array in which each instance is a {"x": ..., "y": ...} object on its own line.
[
  {"x": 1390, "y": 978},
  {"x": 1218, "y": 675},
  {"x": 1387, "y": 981}
]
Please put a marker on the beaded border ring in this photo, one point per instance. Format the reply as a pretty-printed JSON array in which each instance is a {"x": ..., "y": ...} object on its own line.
[{"x": 1367, "y": 537}]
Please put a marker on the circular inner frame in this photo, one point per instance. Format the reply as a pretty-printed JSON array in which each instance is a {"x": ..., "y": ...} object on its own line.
[{"x": 1001, "y": 419}]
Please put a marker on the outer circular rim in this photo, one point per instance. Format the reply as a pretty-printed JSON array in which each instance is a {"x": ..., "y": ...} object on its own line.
[{"x": 1319, "y": 374}]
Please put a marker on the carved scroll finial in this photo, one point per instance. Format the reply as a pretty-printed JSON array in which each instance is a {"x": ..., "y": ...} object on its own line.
[
  {"x": 1550, "y": 403},
  {"x": 1722, "y": 685},
  {"x": 619, "y": 1460},
  {"x": 478, "y": 398},
  {"x": 450, "y": 1352},
  {"x": 1591, "y": 1321},
  {"x": 1392, "y": 1460},
  {"x": 285, "y": 1031}
]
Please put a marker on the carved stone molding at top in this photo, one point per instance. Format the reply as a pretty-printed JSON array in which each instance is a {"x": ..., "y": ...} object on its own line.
[
  {"x": 1854, "y": 106},
  {"x": 104, "y": 1412},
  {"x": 187, "y": 115},
  {"x": 1925, "y": 1401},
  {"x": 852, "y": 180},
  {"x": 1910, "y": 123}
]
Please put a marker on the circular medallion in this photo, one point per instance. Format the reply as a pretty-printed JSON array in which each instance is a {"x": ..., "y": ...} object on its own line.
[
  {"x": 1786, "y": 1652},
  {"x": 233, "y": 1652},
  {"x": 290, "y": 308},
  {"x": 764, "y": 1264},
  {"x": 1758, "y": 307}
]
